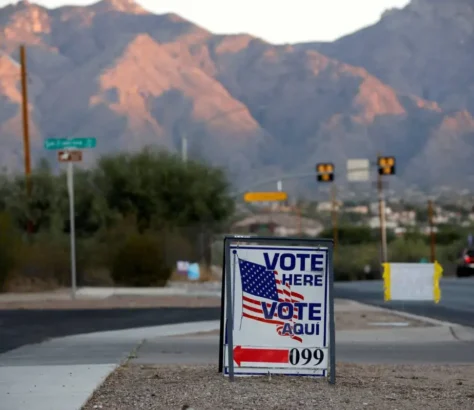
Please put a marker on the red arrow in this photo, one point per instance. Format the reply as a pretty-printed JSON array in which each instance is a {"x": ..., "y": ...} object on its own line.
[{"x": 256, "y": 355}]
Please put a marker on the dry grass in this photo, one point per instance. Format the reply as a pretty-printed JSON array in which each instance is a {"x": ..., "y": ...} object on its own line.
[{"x": 23, "y": 284}]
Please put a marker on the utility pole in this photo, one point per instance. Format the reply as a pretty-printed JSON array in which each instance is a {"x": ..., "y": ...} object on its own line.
[
  {"x": 300, "y": 227},
  {"x": 432, "y": 232},
  {"x": 325, "y": 174},
  {"x": 184, "y": 148},
  {"x": 383, "y": 228},
  {"x": 386, "y": 166},
  {"x": 334, "y": 216},
  {"x": 26, "y": 130}
]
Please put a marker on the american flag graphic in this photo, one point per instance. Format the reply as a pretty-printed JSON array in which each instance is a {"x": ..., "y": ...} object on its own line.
[{"x": 262, "y": 285}]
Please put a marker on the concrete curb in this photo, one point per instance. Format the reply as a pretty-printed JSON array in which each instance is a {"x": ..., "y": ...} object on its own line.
[
  {"x": 414, "y": 335},
  {"x": 104, "y": 293},
  {"x": 458, "y": 332},
  {"x": 143, "y": 333},
  {"x": 403, "y": 314}
]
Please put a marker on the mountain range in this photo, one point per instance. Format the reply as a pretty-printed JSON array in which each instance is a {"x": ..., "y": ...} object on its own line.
[{"x": 130, "y": 78}]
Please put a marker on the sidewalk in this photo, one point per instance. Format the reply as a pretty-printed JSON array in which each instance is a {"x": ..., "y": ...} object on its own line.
[{"x": 171, "y": 289}]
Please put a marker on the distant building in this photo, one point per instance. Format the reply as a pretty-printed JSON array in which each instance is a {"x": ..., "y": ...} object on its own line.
[
  {"x": 374, "y": 223},
  {"x": 360, "y": 209},
  {"x": 375, "y": 206},
  {"x": 327, "y": 206},
  {"x": 280, "y": 224}
]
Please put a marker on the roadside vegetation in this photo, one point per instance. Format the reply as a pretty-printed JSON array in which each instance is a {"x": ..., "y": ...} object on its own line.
[
  {"x": 136, "y": 215},
  {"x": 358, "y": 252}
]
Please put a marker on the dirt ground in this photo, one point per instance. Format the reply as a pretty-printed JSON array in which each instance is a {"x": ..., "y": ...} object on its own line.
[
  {"x": 114, "y": 302},
  {"x": 358, "y": 320},
  {"x": 378, "y": 387}
]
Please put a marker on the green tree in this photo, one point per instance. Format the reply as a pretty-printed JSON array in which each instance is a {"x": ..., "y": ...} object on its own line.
[
  {"x": 92, "y": 213},
  {"x": 352, "y": 235},
  {"x": 45, "y": 204},
  {"x": 448, "y": 234},
  {"x": 156, "y": 186}
]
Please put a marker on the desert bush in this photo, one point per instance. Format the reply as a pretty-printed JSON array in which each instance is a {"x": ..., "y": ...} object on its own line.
[
  {"x": 180, "y": 244},
  {"x": 45, "y": 260},
  {"x": 140, "y": 261},
  {"x": 351, "y": 260},
  {"x": 402, "y": 250},
  {"x": 8, "y": 242},
  {"x": 448, "y": 235}
]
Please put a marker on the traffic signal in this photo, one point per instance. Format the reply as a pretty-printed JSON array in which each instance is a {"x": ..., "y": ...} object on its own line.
[
  {"x": 386, "y": 165},
  {"x": 325, "y": 172}
]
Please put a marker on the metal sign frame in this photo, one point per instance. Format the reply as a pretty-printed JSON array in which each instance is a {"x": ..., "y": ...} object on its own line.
[
  {"x": 73, "y": 155},
  {"x": 226, "y": 326}
]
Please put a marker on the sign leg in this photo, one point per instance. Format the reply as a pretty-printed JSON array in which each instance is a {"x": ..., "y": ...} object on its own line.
[
  {"x": 70, "y": 180},
  {"x": 332, "y": 325},
  {"x": 230, "y": 314},
  {"x": 222, "y": 325}
]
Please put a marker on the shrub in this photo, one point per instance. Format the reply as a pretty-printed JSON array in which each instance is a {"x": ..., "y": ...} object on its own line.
[
  {"x": 45, "y": 261},
  {"x": 449, "y": 235},
  {"x": 140, "y": 261},
  {"x": 8, "y": 241},
  {"x": 408, "y": 251},
  {"x": 350, "y": 262}
]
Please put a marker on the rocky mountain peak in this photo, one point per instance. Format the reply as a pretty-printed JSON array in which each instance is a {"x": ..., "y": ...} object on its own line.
[
  {"x": 26, "y": 17},
  {"x": 403, "y": 86},
  {"x": 123, "y": 6}
]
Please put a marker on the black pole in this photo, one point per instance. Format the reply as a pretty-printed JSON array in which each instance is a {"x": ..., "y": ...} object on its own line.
[{"x": 221, "y": 332}]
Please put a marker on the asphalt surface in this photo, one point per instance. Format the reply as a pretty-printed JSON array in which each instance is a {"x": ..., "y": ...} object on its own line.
[
  {"x": 21, "y": 327},
  {"x": 456, "y": 304}
]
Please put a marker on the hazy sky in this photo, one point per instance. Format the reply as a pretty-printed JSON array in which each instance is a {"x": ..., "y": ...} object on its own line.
[{"x": 277, "y": 21}]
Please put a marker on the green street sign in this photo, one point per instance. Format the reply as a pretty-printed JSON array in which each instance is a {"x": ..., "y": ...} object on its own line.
[{"x": 64, "y": 143}]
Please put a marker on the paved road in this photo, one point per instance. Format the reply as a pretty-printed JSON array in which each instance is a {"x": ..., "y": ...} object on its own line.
[
  {"x": 21, "y": 327},
  {"x": 456, "y": 304}
]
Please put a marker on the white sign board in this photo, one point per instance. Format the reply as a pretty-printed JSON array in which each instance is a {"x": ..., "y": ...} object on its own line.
[
  {"x": 182, "y": 267},
  {"x": 412, "y": 281},
  {"x": 358, "y": 170},
  {"x": 280, "y": 314}
]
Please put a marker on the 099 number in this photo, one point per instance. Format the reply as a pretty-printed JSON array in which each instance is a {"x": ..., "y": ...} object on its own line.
[{"x": 306, "y": 357}]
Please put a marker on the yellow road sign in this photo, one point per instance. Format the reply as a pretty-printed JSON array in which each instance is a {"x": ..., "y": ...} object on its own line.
[{"x": 265, "y": 196}]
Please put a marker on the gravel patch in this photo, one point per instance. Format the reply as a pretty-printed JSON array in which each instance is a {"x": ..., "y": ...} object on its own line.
[
  {"x": 114, "y": 302},
  {"x": 400, "y": 387}
]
